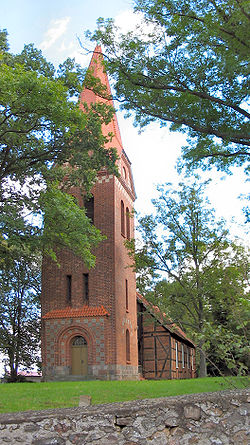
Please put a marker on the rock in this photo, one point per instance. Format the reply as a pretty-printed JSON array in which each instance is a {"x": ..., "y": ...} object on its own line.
[
  {"x": 84, "y": 401},
  {"x": 50, "y": 441},
  {"x": 123, "y": 421},
  {"x": 192, "y": 412}
]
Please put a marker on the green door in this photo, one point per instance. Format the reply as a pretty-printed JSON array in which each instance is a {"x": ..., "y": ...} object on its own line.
[{"x": 79, "y": 356}]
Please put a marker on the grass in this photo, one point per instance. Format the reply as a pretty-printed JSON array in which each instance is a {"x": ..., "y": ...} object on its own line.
[{"x": 36, "y": 396}]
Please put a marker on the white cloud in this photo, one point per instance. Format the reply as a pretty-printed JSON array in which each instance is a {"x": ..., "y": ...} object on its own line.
[
  {"x": 130, "y": 21},
  {"x": 56, "y": 30}
]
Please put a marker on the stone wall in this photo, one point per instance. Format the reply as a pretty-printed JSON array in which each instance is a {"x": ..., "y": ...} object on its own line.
[{"x": 210, "y": 418}]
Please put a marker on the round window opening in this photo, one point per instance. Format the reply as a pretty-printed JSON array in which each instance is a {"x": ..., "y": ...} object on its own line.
[{"x": 79, "y": 341}]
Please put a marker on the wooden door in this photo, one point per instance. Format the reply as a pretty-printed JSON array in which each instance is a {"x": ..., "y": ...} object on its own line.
[{"x": 79, "y": 356}]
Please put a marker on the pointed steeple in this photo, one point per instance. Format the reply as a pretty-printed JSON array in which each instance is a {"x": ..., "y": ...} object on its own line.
[{"x": 97, "y": 69}]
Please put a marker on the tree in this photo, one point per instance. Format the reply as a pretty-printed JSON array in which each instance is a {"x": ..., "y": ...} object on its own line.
[
  {"x": 187, "y": 65},
  {"x": 20, "y": 311},
  {"x": 47, "y": 146},
  {"x": 206, "y": 273},
  {"x": 40, "y": 123}
]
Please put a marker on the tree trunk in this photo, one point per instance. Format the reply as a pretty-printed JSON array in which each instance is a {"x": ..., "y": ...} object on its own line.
[
  {"x": 13, "y": 370},
  {"x": 203, "y": 363}
]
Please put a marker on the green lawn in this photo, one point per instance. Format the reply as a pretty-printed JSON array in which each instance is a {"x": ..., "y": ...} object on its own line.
[{"x": 36, "y": 396}]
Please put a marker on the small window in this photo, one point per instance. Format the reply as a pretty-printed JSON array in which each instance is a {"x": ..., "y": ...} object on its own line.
[
  {"x": 69, "y": 286},
  {"x": 79, "y": 341},
  {"x": 126, "y": 290},
  {"x": 89, "y": 207},
  {"x": 127, "y": 346},
  {"x": 183, "y": 355},
  {"x": 192, "y": 359},
  {"x": 188, "y": 358},
  {"x": 86, "y": 288},
  {"x": 176, "y": 355},
  {"x": 124, "y": 172},
  {"x": 128, "y": 223},
  {"x": 122, "y": 219}
]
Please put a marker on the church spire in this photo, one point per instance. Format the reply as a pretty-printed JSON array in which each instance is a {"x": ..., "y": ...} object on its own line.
[{"x": 88, "y": 96}]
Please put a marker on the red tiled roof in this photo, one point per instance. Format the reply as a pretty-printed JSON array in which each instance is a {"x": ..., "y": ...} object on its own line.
[
  {"x": 163, "y": 319},
  {"x": 84, "y": 311}
]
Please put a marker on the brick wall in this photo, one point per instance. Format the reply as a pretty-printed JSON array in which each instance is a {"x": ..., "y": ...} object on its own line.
[{"x": 107, "y": 287}]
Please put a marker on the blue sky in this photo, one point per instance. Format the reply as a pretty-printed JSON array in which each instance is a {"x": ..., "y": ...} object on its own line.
[
  {"x": 53, "y": 26},
  {"x": 28, "y": 21}
]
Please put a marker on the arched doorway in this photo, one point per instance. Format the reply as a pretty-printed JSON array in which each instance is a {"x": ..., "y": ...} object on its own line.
[{"x": 79, "y": 356}]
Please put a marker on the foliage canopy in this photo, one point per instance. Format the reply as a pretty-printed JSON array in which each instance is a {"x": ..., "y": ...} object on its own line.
[
  {"x": 47, "y": 146},
  {"x": 205, "y": 290},
  {"x": 187, "y": 65}
]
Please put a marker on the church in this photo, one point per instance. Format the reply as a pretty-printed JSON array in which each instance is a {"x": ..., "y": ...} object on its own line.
[{"x": 94, "y": 323}]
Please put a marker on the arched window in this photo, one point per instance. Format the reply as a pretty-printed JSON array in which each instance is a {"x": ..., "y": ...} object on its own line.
[
  {"x": 128, "y": 223},
  {"x": 127, "y": 346},
  {"x": 122, "y": 219},
  {"x": 79, "y": 341}
]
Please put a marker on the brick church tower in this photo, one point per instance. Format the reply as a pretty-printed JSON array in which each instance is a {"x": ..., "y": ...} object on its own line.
[{"x": 89, "y": 319}]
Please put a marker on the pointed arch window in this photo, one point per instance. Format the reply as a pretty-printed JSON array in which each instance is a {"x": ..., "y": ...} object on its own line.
[
  {"x": 122, "y": 219},
  {"x": 127, "y": 346}
]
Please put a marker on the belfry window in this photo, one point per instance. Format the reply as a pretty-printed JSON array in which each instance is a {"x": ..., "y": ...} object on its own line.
[
  {"x": 127, "y": 346},
  {"x": 122, "y": 219},
  {"x": 127, "y": 223},
  {"x": 69, "y": 288}
]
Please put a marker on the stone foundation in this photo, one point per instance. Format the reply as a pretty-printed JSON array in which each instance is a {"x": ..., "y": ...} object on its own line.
[{"x": 95, "y": 372}]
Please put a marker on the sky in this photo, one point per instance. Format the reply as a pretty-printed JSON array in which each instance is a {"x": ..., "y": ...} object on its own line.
[{"x": 54, "y": 26}]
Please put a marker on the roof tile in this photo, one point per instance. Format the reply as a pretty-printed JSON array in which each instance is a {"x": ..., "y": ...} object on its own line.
[
  {"x": 69, "y": 312},
  {"x": 162, "y": 318}
]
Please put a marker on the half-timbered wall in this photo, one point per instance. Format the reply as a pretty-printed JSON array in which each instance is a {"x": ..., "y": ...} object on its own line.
[{"x": 162, "y": 353}]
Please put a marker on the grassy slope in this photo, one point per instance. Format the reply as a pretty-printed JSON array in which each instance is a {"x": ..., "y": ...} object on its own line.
[{"x": 36, "y": 396}]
